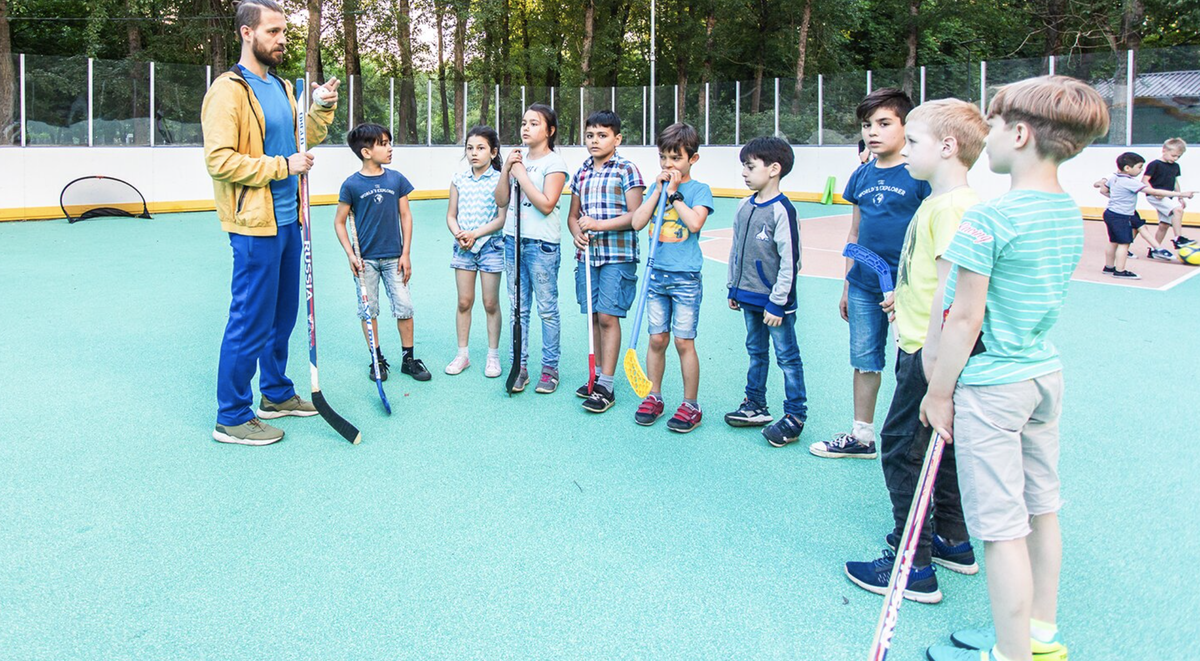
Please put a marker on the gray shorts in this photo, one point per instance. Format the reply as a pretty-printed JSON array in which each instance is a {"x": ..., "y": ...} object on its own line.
[
  {"x": 1165, "y": 206},
  {"x": 1006, "y": 446},
  {"x": 388, "y": 271}
]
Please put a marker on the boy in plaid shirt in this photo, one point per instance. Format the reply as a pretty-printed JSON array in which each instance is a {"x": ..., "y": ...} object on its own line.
[{"x": 604, "y": 193}]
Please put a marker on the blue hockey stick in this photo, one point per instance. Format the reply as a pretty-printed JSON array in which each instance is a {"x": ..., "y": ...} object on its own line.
[{"x": 872, "y": 261}]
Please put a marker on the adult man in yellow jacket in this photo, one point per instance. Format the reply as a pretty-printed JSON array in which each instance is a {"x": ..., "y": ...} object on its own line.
[{"x": 252, "y": 154}]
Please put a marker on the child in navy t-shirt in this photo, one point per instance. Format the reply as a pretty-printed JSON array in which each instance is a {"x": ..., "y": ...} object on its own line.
[
  {"x": 885, "y": 198},
  {"x": 379, "y": 241}
]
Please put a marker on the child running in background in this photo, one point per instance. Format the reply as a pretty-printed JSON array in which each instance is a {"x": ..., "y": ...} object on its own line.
[
  {"x": 996, "y": 387},
  {"x": 885, "y": 197},
  {"x": 1121, "y": 217},
  {"x": 378, "y": 198},
  {"x": 476, "y": 223},
  {"x": 763, "y": 263},
  {"x": 604, "y": 192},
  {"x": 676, "y": 288},
  {"x": 1163, "y": 174},
  {"x": 944, "y": 139},
  {"x": 541, "y": 174}
]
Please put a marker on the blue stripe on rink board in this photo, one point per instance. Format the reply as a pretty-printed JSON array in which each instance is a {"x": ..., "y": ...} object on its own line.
[{"x": 469, "y": 524}]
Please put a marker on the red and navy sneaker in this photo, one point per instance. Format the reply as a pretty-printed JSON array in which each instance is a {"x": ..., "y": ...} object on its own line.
[
  {"x": 686, "y": 418},
  {"x": 874, "y": 576},
  {"x": 649, "y": 411}
]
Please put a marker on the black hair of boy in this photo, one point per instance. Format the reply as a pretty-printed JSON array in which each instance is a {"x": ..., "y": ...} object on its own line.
[
  {"x": 770, "y": 150},
  {"x": 493, "y": 139},
  {"x": 1128, "y": 160},
  {"x": 366, "y": 136},
  {"x": 678, "y": 138},
  {"x": 604, "y": 119},
  {"x": 551, "y": 119},
  {"x": 888, "y": 98}
]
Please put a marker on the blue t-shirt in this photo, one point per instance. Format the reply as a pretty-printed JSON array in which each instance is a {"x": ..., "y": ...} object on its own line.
[
  {"x": 680, "y": 248},
  {"x": 279, "y": 140},
  {"x": 375, "y": 203},
  {"x": 887, "y": 200}
]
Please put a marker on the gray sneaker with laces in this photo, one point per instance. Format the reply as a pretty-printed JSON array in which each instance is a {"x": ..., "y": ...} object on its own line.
[
  {"x": 268, "y": 410},
  {"x": 252, "y": 432}
]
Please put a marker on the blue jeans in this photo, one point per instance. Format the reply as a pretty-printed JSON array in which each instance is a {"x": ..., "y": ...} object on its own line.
[
  {"x": 759, "y": 337},
  {"x": 265, "y": 292},
  {"x": 539, "y": 277},
  {"x": 868, "y": 329}
]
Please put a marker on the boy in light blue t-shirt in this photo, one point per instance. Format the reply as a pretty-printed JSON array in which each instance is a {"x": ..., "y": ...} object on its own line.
[{"x": 675, "y": 292}]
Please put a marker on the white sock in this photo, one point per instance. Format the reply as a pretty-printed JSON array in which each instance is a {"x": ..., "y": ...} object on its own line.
[
  {"x": 462, "y": 351},
  {"x": 493, "y": 352},
  {"x": 1043, "y": 631},
  {"x": 863, "y": 431}
]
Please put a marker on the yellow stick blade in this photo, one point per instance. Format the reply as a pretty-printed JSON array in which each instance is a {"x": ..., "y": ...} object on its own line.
[{"x": 633, "y": 372}]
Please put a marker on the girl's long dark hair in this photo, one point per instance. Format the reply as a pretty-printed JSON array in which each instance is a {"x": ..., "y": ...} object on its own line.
[
  {"x": 551, "y": 119},
  {"x": 488, "y": 133}
]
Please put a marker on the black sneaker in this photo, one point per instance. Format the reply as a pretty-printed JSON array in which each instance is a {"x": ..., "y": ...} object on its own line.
[
  {"x": 844, "y": 446},
  {"x": 787, "y": 430},
  {"x": 1109, "y": 270},
  {"x": 1182, "y": 241},
  {"x": 415, "y": 368},
  {"x": 749, "y": 414},
  {"x": 874, "y": 576},
  {"x": 1126, "y": 275},
  {"x": 1162, "y": 254},
  {"x": 383, "y": 367},
  {"x": 1130, "y": 255},
  {"x": 582, "y": 391},
  {"x": 958, "y": 558},
  {"x": 600, "y": 400}
]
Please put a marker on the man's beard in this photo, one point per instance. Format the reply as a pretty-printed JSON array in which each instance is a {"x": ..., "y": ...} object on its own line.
[{"x": 267, "y": 57}]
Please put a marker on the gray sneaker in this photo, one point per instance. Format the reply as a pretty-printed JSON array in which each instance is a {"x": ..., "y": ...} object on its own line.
[
  {"x": 549, "y": 381},
  {"x": 268, "y": 410},
  {"x": 254, "y": 432}
]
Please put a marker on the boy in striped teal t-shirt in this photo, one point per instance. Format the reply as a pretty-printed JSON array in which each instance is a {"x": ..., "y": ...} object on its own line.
[{"x": 996, "y": 384}]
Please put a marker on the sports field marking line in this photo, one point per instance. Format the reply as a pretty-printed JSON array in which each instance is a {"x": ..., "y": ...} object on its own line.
[{"x": 1170, "y": 285}]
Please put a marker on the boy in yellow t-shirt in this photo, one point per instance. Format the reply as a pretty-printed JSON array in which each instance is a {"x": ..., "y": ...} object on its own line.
[{"x": 943, "y": 140}]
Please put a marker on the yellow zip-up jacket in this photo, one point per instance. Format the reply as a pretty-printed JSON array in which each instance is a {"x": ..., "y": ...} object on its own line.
[{"x": 234, "y": 127}]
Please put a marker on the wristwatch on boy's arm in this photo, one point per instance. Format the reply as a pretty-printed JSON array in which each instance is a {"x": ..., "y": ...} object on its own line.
[{"x": 675, "y": 197}]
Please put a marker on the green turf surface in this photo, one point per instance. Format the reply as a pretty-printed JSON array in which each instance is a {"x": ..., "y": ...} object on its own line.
[{"x": 473, "y": 525}]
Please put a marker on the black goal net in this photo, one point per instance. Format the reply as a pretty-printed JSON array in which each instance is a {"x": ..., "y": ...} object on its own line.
[{"x": 99, "y": 196}]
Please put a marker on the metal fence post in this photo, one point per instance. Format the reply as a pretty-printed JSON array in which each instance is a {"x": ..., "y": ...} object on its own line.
[
  {"x": 153, "y": 122},
  {"x": 645, "y": 138},
  {"x": 614, "y": 100},
  {"x": 392, "y": 105},
  {"x": 868, "y": 81},
  {"x": 498, "y": 110},
  {"x": 464, "y": 110},
  {"x": 1131, "y": 79},
  {"x": 922, "y": 84},
  {"x": 552, "y": 98},
  {"x": 983, "y": 86},
  {"x": 523, "y": 104},
  {"x": 91, "y": 103},
  {"x": 677, "y": 104},
  {"x": 207, "y": 76},
  {"x": 737, "y": 112},
  {"x": 706, "y": 140},
  {"x": 820, "y": 110},
  {"x": 581, "y": 140},
  {"x": 1052, "y": 65},
  {"x": 776, "y": 133},
  {"x": 350, "y": 106},
  {"x": 652, "y": 108},
  {"x": 23, "y": 134},
  {"x": 428, "y": 110}
]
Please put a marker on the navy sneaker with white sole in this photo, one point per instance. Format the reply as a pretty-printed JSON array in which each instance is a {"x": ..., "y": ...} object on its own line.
[
  {"x": 874, "y": 576},
  {"x": 787, "y": 430},
  {"x": 958, "y": 558},
  {"x": 749, "y": 414}
]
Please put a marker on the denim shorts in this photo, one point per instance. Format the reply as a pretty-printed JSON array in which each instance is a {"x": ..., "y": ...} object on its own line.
[
  {"x": 387, "y": 271},
  {"x": 614, "y": 287},
  {"x": 868, "y": 330},
  {"x": 673, "y": 303},
  {"x": 489, "y": 258}
]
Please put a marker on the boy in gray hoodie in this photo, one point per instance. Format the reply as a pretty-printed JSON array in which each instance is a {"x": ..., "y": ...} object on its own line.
[{"x": 763, "y": 264}]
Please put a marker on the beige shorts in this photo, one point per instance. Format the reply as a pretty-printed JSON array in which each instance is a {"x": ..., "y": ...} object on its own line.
[{"x": 1006, "y": 447}]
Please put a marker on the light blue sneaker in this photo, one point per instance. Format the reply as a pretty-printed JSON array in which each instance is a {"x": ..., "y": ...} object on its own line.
[
  {"x": 951, "y": 653},
  {"x": 985, "y": 639}
]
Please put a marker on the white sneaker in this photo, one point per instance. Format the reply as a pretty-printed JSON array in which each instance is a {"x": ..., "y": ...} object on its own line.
[
  {"x": 492, "y": 369},
  {"x": 459, "y": 364}
]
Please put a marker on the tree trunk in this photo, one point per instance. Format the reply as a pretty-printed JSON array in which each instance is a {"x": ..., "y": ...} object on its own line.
[
  {"x": 440, "y": 11},
  {"x": 312, "y": 53},
  {"x": 353, "y": 64},
  {"x": 756, "y": 95},
  {"x": 407, "y": 112},
  {"x": 10, "y": 133},
  {"x": 140, "y": 74},
  {"x": 589, "y": 38},
  {"x": 913, "y": 41},
  {"x": 460, "y": 38},
  {"x": 710, "y": 23},
  {"x": 1132, "y": 18},
  {"x": 620, "y": 14},
  {"x": 801, "y": 55},
  {"x": 216, "y": 38},
  {"x": 505, "y": 60},
  {"x": 1053, "y": 23}
]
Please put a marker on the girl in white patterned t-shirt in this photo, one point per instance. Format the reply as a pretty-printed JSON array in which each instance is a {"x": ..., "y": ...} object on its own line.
[{"x": 476, "y": 221}]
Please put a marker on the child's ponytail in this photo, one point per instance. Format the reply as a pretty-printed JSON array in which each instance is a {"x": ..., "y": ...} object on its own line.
[{"x": 488, "y": 133}]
